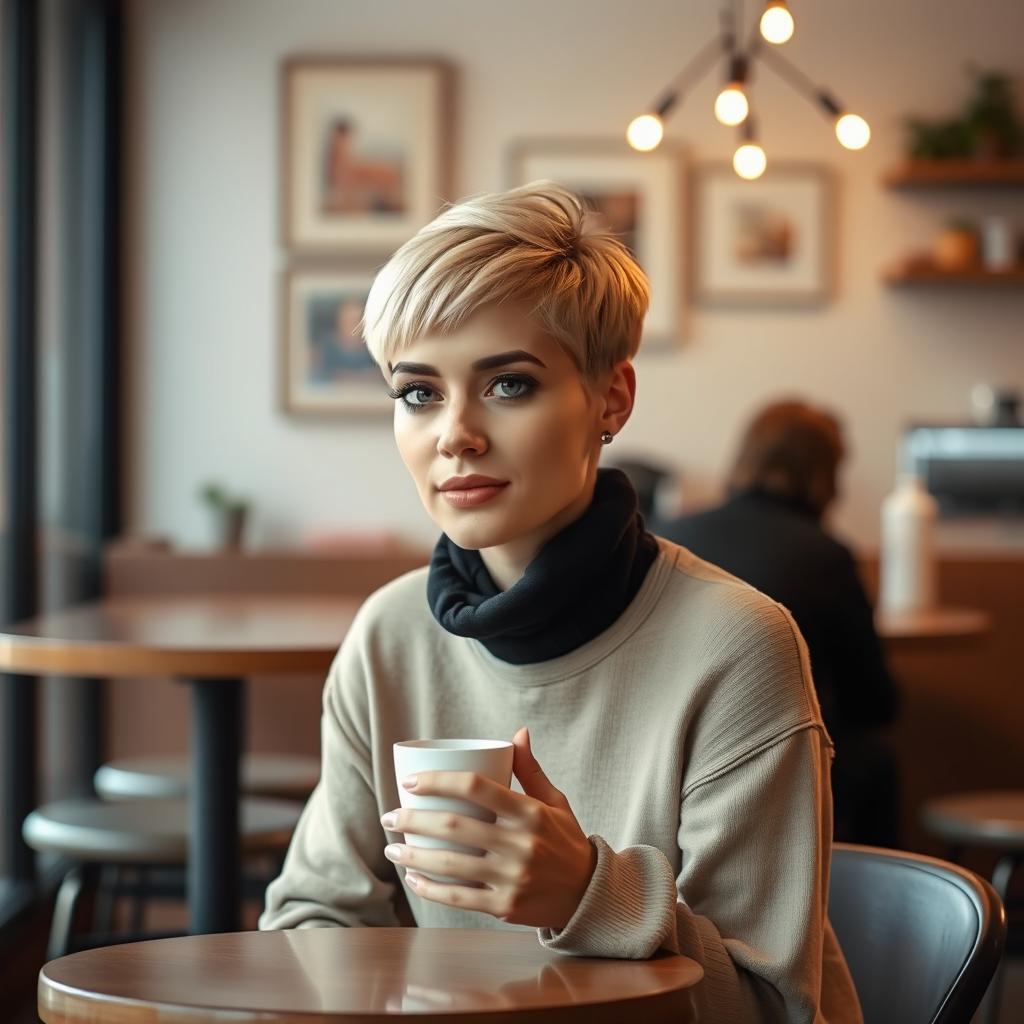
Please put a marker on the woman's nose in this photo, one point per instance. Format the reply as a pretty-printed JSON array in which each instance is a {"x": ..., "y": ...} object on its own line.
[{"x": 460, "y": 435}]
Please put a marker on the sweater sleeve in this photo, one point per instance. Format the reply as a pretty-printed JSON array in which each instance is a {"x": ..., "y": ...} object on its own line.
[
  {"x": 749, "y": 904},
  {"x": 335, "y": 873}
]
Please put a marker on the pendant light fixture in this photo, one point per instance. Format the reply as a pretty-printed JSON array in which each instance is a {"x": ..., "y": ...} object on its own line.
[
  {"x": 851, "y": 130},
  {"x": 749, "y": 160},
  {"x": 777, "y": 23},
  {"x": 732, "y": 105}
]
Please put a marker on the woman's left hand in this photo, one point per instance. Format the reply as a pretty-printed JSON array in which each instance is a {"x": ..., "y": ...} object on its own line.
[{"x": 537, "y": 861}]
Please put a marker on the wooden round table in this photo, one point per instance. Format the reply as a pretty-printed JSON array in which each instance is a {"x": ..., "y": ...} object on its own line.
[
  {"x": 212, "y": 643},
  {"x": 936, "y": 624},
  {"x": 359, "y": 975}
]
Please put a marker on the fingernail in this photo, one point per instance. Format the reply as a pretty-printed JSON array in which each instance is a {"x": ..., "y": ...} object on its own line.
[
  {"x": 388, "y": 820},
  {"x": 393, "y": 851},
  {"x": 411, "y": 879},
  {"x": 409, "y": 782}
]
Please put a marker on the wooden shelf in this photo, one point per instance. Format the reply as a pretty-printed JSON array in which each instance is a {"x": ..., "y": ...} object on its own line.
[
  {"x": 911, "y": 274},
  {"x": 937, "y": 173}
]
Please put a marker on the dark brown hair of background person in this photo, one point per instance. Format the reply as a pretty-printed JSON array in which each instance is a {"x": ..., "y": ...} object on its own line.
[{"x": 792, "y": 450}]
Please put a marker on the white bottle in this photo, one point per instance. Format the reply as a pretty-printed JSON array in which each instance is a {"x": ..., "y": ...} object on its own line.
[
  {"x": 997, "y": 244},
  {"x": 908, "y": 548}
]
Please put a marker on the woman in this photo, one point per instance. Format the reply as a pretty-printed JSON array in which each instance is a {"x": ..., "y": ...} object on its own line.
[{"x": 670, "y": 704}]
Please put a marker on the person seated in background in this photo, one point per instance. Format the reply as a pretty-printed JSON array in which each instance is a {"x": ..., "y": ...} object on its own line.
[{"x": 770, "y": 533}]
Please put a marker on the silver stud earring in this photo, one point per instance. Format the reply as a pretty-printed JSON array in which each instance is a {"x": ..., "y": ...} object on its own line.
[{"x": 607, "y": 437}]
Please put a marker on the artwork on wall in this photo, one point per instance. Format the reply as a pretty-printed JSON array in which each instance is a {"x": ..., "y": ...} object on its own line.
[
  {"x": 640, "y": 196},
  {"x": 366, "y": 150},
  {"x": 767, "y": 242},
  {"x": 327, "y": 368}
]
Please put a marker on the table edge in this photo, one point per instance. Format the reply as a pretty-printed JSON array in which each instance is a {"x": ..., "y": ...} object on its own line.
[
  {"x": 82, "y": 1001},
  {"x": 26, "y": 655}
]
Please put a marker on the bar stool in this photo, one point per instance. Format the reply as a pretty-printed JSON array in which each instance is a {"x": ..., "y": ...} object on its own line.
[
  {"x": 282, "y": 776},
  {"x": 993, "y": 820},
  {"x": 142, "y": 833}
]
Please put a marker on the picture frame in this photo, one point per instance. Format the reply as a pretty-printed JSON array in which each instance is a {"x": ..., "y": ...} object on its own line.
[
  {"x": 642, "y": 196},
  {"x": 768, "y": 242},
  {"x": 325, "y": 365},
  {"x": 366, "y": 150}
]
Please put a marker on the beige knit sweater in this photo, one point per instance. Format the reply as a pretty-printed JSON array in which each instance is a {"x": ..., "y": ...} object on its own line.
[{"x": 689, "y": 743}]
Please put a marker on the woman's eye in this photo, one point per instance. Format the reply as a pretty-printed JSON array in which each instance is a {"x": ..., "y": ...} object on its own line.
[
  {"x": 418, "y": 396},
  {"x": 414, "y": 397},
  {"x": 512, "y": 387}
]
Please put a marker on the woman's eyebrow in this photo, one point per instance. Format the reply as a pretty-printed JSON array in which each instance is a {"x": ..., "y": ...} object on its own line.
[
  {"x": 487, "y": 363},
  {"x": 421, "y": 369},
  {"x": 503, "y": 358}
]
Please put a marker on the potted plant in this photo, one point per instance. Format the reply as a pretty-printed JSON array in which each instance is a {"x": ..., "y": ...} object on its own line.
[
  {"x": 988, "y": 129},
  {"x": 229, "y": 514},
  {"x": 938, "y": 140},
  {"x": 991, "y": 117},
  {"x": 957, "y": 247}
]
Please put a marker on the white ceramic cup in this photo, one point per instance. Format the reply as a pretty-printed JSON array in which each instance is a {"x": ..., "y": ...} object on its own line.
[{"x": 492, "y": 758}]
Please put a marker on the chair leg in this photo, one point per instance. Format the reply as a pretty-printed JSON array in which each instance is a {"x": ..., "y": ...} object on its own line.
[
  {"x": 139, "y": 896},
  {"x": 106, "y": 898},
  {"x": 1001, "y": 883},
  {"x": 63, "y": 920}
]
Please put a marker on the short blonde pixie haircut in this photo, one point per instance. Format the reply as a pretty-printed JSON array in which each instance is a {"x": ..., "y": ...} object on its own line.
[{"x": 537, "y": 245}]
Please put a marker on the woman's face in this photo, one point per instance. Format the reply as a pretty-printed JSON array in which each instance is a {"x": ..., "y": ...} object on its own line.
[{"x": 500, "y": 401}]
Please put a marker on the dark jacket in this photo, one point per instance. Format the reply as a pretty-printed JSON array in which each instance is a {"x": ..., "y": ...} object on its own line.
[{"x": 780, "y": 548}]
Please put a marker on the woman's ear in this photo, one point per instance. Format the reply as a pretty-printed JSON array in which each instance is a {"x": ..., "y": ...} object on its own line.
[{"x": 619, "y": 395}]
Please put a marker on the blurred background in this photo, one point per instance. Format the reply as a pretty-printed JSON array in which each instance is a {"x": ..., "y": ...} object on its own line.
[
  {"x": 197, "y": 194},
  {"x": 202, "y": 141}
]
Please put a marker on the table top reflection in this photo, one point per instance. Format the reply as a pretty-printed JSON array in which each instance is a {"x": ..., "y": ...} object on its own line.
[{"x": 359, "y": 975}]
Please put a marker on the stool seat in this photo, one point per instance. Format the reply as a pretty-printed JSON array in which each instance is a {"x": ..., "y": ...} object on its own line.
[
  {"x": 994, "y": 819},
  {"x": 272, "y": 775},
  {"x": 147, "y": 831}
]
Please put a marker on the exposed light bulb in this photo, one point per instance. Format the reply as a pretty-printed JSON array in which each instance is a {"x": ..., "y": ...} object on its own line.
[
  {"x": 777, "y": 23},
  {"x": 853, "y": 131},
  {"x": 731, "y": 106},
  {"x": 749, "y": 161},
  {"x": 645, "y": 132}
]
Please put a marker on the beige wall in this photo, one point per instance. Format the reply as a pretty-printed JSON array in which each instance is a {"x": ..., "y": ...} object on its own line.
[{"x": 204, "y": 305}]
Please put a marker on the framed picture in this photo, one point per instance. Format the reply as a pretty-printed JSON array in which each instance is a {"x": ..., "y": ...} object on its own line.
[
  {"x": 639, "y": 195},
  {"x": 767, "y": 242},
  {"x": 327, "y": 368},
  {"x": 366, "y": 150}
]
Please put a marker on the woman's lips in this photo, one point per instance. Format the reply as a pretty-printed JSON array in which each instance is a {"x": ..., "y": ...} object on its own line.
[{"x": 468, "y": 497}]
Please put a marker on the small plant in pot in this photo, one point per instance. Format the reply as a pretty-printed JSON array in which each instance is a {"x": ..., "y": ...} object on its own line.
[
  {"x": 991, "y": 117},
  {"x": 988, "y": 129},
  {"x": 957, "y": 247},
  {"x": 229, "y": 515}
]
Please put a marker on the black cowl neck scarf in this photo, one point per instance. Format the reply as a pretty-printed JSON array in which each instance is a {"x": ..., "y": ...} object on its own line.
[{"x": 577, "y": 586}]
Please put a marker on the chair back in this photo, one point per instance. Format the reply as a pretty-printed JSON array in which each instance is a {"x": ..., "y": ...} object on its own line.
[{"x": 922, "y": 937}]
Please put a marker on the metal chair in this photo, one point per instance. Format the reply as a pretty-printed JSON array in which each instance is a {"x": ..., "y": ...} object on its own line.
[
  {"x": 992, "y": 820},
  {"x": 282, "y": 776},
  {"x": 140, "y": 833},
  {"x": 922, "y": 937}
]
